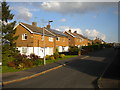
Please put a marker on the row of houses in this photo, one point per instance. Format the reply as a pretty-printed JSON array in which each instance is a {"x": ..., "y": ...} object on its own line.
[{"x": 40, "y": 41}]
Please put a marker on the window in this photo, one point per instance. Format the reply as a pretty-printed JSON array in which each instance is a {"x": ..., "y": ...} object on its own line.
[
  {"x": 24, "y": 36},
  {"x": 42, "y": 38},
  {"x": 58, "y": 38},
  {"x": 63, "y": 39},
  {"x": 51, "y": 39},
  {"x": 24, "y": 50}
]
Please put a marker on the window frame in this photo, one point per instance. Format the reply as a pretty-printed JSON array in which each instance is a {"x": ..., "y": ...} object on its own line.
[
  {"x": 24, "y": 36},
  {"x": 58, "y": 39},
  {"x": 51, "y": 39}
]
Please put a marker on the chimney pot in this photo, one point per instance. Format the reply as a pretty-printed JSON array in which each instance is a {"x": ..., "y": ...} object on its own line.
[
  {"x": 34, "y": 24},
  {"x": 75, "y": 31},
  {"x": 48, "y": 26},
  {"x": 69, "y": 30}
]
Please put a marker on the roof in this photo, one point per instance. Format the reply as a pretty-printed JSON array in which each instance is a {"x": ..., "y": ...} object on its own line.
[
  {"x": 76, "y": 35},
  {"x": 36, "y": 30},
  {"x": 79, "y": 35},
  {"x": 57, "y": 33}
]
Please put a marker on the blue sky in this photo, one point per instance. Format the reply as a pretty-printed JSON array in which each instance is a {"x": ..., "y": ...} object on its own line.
[{"x": 89, "y": 18}]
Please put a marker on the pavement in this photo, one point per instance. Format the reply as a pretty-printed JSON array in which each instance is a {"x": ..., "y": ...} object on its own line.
[
  {"x": 78, "y": 72},
  {"x": 110, "y": 78}
]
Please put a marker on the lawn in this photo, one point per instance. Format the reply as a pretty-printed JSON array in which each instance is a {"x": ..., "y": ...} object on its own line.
[{"x": 6, "y": 69}]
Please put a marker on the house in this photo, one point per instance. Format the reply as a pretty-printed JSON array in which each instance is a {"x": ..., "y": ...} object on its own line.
[
  {"x": 31, "y": 40},
  {"x": 61, "y": 41},
  {"x": 40, "y": 41},
  {"x": 98, "y": 41},
  {"x": 76, "y": 39}
]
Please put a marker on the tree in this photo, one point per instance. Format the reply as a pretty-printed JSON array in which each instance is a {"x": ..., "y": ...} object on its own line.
[{"x": 8, "y": 44}]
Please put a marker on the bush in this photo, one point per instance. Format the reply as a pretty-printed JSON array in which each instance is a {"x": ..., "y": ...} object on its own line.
[
  {"x": 73, "y": 50},
  {"x": 11, "y": 64},
  {"x": 52, "y": 58},
  {"x": 28, "y": 63},
  {"x": 21, "y": 66},
  {"x": 56, "y": 54},
  {"x": 34, "y": 57},
  {"x": 47, "y": 57},
  {"x": 38, "y": 62},
  {"x": 62, "y": 55}
]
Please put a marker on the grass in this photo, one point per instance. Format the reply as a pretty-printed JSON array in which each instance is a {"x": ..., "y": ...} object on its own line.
[
  {"x": 6, "y": 69},
  {"x": 66, "y": 57}
]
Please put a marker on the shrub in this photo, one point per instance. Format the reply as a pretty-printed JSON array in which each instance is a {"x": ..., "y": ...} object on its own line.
[
  {"x": 47, "y": 57},
  {"x": 21, "y": 66},
  {"x": 28, "y": 63},
  {"x": 34, "y": 57},
  {"x": 11, "y": 64},
  {"x": 62, "y": 55},
  {"x": 56, "y": 54},
  {"x": 52, "y": 58},
  {"x": 73, "y": 50},
  {"x": 38, "y": 62}
]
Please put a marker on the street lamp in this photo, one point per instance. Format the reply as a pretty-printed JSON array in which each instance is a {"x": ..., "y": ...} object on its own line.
[{"x": 44, "y": 38}]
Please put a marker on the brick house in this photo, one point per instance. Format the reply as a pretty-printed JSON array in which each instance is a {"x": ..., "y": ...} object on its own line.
[
  {"x": 61, "y": 41},
  {"x": 76, "y": 39},
  {"x": 31, "y": 40},
  {"x": 98, "y": 41}
]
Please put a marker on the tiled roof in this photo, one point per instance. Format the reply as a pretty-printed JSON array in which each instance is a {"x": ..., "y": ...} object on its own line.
[{"x": 37, "y": 29}]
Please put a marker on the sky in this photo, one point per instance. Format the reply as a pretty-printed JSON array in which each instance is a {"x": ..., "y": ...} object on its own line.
[{"x": 91, "y": 19}]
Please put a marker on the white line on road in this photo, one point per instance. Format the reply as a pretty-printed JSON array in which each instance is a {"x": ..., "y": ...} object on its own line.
[{"x": 85, "y": 57}]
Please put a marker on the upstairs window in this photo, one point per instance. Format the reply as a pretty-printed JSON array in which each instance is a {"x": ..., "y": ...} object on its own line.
[
  {"x": 42, "y": 38},
  {"x": 24, "y": 36},
  {"x": 51, "y": 39},
  {"x": 58, "y": 38}
]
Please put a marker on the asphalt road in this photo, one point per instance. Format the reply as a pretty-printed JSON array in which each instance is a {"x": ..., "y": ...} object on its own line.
[{"x": 79, "y": 73}]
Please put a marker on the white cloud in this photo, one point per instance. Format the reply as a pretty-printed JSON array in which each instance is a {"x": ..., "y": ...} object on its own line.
[
  {"x": 63, "y": 20},
  {"x": 92, "y": 34},
  {"x": 75, "y": 7},
  {"x": 66, "y": 28},
  {"x": 22, "y": 13}
]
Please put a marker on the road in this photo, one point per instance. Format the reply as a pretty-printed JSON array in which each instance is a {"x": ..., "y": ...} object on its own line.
[{"x": 79, "y": 73}]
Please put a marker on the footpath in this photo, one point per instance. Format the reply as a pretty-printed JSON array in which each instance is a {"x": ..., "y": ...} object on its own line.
[{"x": 111, "y": 77}]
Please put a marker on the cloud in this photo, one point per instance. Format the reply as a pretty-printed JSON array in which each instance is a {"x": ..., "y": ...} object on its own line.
[
  {"x": 66, "y": 28},
  {"x": 92, "y": 34},
  {"x": 22, "y": 13},
  {"x": 75, "y": 7},
  {"x": 63, "y": 20}
]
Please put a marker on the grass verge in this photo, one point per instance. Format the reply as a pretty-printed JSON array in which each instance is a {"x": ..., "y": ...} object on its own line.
[{"x": 6, "y": 69}]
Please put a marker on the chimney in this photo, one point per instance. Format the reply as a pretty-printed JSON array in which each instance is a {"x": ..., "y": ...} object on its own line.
[
  {"x": 75, "y": 31},
  {"x": 34, "y": 24},
  {"x": 69, "y": 30},
  {"x": 48, "y": 26}
]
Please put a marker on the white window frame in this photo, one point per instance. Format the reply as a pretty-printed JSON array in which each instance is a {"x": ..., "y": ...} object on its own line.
[
  {"x": 23, "y": 36},
  {"x": 51, "y": 39},
  {"x": 42, "y": 38},
  {"x": 58, "y": 38}
]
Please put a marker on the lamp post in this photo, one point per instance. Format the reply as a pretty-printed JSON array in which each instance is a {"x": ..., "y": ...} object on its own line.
[{"x": 44, "y": 38}]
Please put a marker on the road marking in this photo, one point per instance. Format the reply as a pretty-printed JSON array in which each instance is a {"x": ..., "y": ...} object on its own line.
[
  {"x": 85, "y": 57},
  {"x": 32, "y": 76}
]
